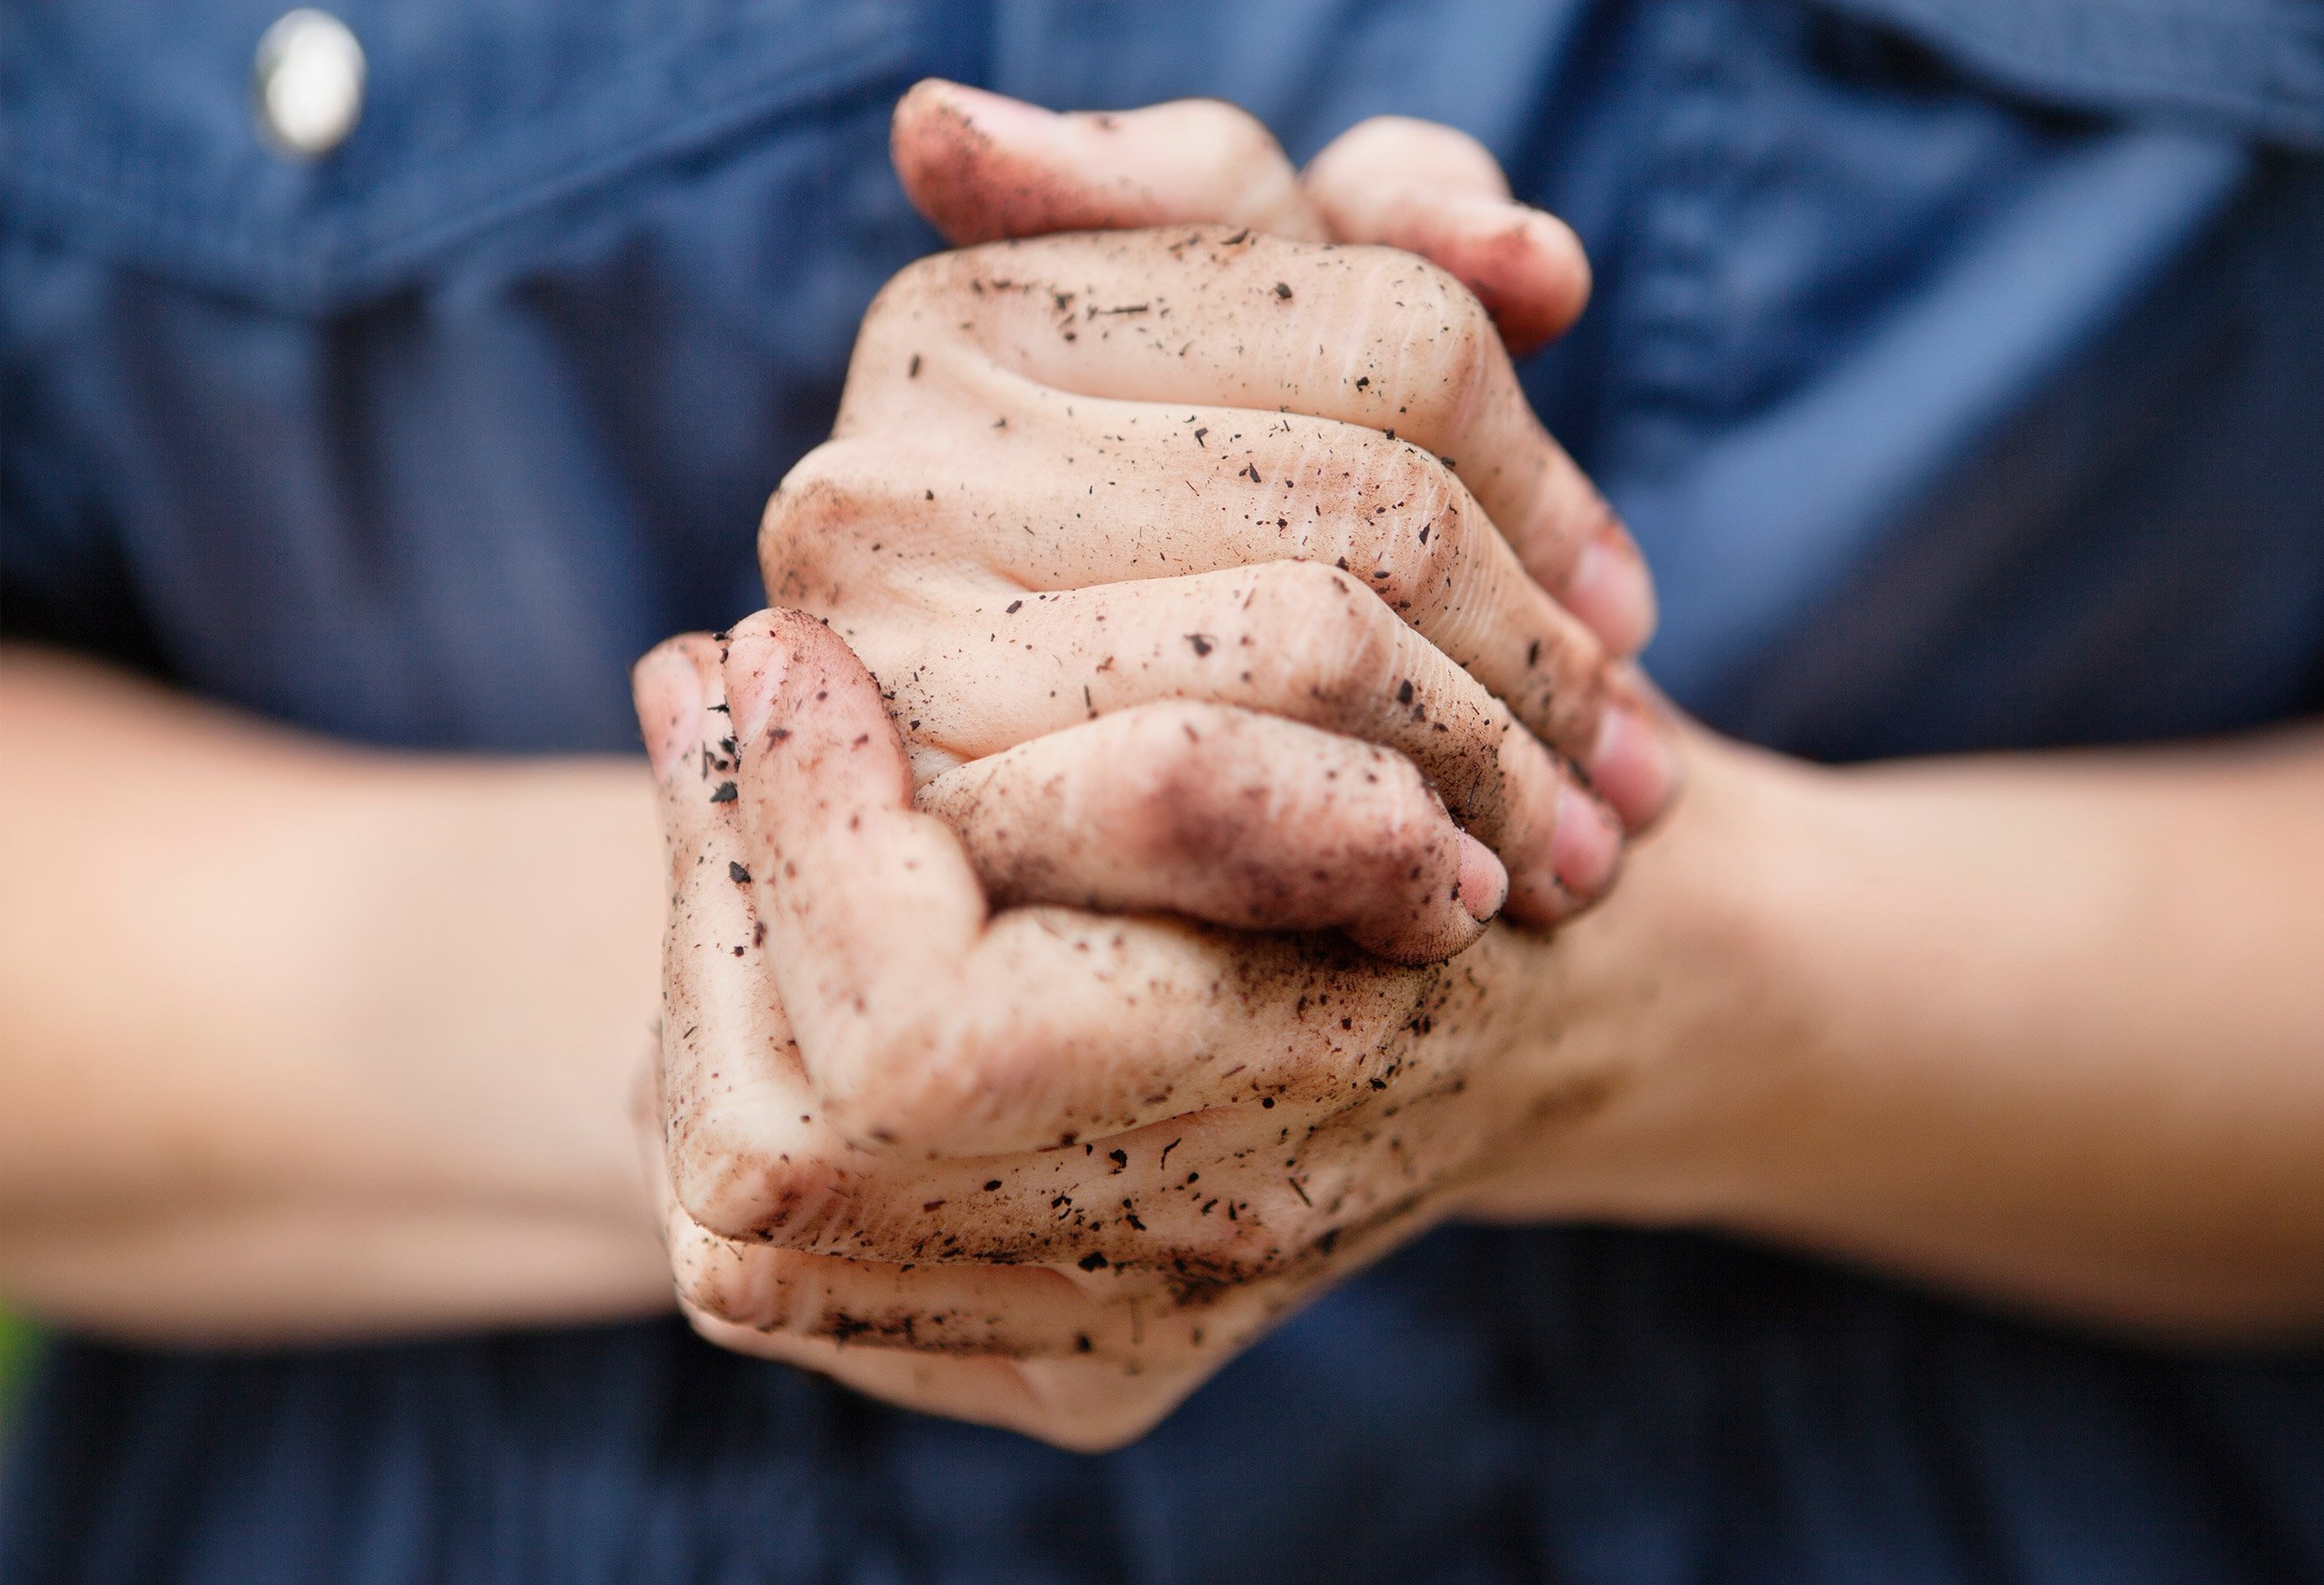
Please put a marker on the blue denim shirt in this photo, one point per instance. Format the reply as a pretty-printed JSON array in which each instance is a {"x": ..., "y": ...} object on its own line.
[{"x": 1960, "y": 363}]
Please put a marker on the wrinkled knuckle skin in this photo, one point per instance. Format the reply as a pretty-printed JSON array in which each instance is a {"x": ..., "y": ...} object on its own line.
[
  {"x": 1447, "y": 342},
  {"x": 1373, "y": 131},
  {"x": 822, "y": 509},
  {"x": 1167, "y": 776},
  {"x": 1242, "y": 148},
  {"x": 730, "y": 1187},
  {"x": 1339, "y": 641},
  {"x": 911, "y": 321},
  {"x": 897, "y": 1084},
  {"x": 718, "y": 1281},
  {"x": 1241, "y": 138},
  {"x": 1413, "y": 528}
]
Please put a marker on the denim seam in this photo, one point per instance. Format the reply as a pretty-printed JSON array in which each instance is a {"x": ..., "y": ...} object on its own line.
[{"x": 2263, "y": 70}]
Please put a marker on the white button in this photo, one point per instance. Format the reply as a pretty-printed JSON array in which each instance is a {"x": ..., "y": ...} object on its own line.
[{"x": 309, "y": 83}]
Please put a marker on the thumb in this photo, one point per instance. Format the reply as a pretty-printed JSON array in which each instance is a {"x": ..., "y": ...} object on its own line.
[
  {"x": 1434, "y": 191},
  {"x": 983, "y": 167}
]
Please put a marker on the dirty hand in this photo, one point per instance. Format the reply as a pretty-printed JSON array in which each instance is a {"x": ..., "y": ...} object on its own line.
[
  {"x": 1077, "y": 474},
  {"x": 1045, "y": 1167},
  {"x": 1086, "y": 750}
]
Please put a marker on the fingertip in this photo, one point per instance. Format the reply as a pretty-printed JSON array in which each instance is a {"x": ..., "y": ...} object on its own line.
[
  {"x": 982, "y": 166},
  {"x": 1586, "y": 848},
  {"x": 1634, "y": 765},
  {"x": 1483, "y": 884},
  {"x": 1526, "y": 266},
  {"x": 1566, "y": 279},
  {"x": 1612, "y": 591},
  {"x": 924, "y": 98},
  {"x": 948, "y": 142},
  {"x": 756, "y": 661},
  {"x": 1449, "y": 921},
  {"x": 666, "y": 688},
  {"x": 934, "y": 100}
]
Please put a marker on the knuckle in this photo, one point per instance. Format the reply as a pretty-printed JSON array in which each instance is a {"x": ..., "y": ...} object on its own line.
[
  {"x": 717, "y": 1280},
  {"x": 1163, "y": 739},
  {"x": 894, "y": 1083},
  {"x": 1409, "y": 508},
  {"x": 722, "y": 1181},
  {"x": 1223, "y": 136},
  {"x": 1240, "y": 149},
  {"x": 1403, "y": 825},
  {"x": 1339, "y": 644},
  {"x": 818, "y": 507},
  {"x": 1375, "y": 132},
  {"x": 1177, "y": 763},
  {"x": 1443, "y": 342},
  {"x": 1395, "y": 853},
  {"x": 911, "y": 291}
]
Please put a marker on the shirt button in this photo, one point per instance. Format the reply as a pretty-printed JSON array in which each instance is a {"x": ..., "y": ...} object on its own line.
[{"x": 308, "y": 83}]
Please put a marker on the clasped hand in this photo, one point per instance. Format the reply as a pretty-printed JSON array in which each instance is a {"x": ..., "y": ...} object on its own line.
[{"x": 1048, "y": 1017}]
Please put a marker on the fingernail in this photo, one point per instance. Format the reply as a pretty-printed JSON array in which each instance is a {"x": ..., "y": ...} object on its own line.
[
  {"x": 1612, "y": 591},
  {"x": 668, "y": 694},
  {"x": 1586, "y": 847},
  {"x": 755, "y": 665},
  {"x": 1484, "y": 883},
  {"x": 1634, "y": 766}
]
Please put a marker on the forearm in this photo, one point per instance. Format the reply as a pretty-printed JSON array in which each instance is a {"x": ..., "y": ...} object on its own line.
[
  {"x": 274, "y": 1008},
  {"x": 2048, "y": 1028}
]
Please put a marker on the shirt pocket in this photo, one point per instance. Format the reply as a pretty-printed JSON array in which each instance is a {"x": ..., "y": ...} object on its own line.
[{"x": 128, "y": 130}]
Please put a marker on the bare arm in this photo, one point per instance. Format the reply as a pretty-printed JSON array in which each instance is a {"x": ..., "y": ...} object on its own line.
[
  {"x": 2048, "y": 1028},
  {"x": 297, "y": 1040}
]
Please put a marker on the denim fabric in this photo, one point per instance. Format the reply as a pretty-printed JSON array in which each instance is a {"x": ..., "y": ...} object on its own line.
[{"x": 1957, "y": 361}]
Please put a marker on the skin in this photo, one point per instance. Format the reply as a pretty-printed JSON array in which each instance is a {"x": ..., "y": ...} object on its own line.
[
  {"x": 1013, "y": 544},
  {"x": 1084, "y": 604},
  {"x": 2040, "y": 1028},
  {"x": 298, "y": 1040},
  {"x": 1017, "y": 1137},
  {"x": 854, "y": 1125}
]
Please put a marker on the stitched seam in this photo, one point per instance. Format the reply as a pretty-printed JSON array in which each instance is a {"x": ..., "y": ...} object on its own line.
[{"x": 2259, "y": 66}]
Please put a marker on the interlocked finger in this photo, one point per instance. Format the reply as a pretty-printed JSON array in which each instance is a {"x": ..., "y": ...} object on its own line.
[
  {"x": 1210, "y": 316},
  {"x": 1294, "y": 639},
  {"x": 1132, "y": 490},
  {"x": 1434, "y": 191},
  {"x": 1228, "y": 816},
  {"x": 965, "y": 1033}
]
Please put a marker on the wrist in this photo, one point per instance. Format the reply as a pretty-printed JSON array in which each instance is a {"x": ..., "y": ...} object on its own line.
[{"x": 1685, "y": 1002}]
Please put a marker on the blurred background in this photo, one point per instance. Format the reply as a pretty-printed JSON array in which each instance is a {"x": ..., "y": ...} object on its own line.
[{"x": 17, "y": 1342}]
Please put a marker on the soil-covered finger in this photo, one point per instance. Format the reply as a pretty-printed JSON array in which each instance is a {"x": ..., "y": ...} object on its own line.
[
  {"x": 1228, "y": 816},
  {"x": 1115, "y": 491},
  {"x": 982, "y": 166},
  {"x": 1434, "y": 191},
  {"x": 929, "y": 1029},
  {"x": 1293, "y": 639},
  {"x": 1210, "y": 316}
]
